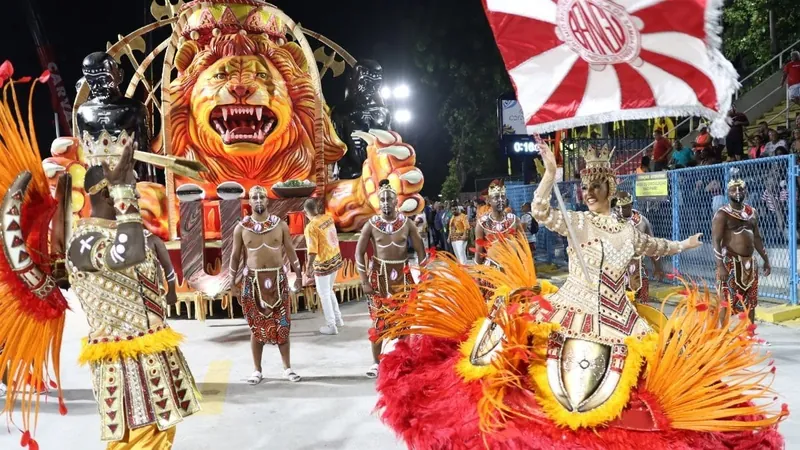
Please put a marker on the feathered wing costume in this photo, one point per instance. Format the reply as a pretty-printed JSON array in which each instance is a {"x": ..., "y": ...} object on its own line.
[
  {"x": 472, "y": 375},
  {"x": 32, "y": 307}
]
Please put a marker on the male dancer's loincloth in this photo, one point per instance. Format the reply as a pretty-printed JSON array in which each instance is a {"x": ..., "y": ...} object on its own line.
[
  {"x": 267, "y": 305},
  {"x": 740, "y": 288},
  {"x": 386, "y": 278},
  {"x": 638, "y": 281}
]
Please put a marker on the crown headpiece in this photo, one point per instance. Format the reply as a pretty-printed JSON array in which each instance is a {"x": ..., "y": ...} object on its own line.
[
  {"x": 106, "y": 148},
  {"x": 497, "y": 189},
  {"x": 598, "y": 161},
  {"x": 200, "y": 21},
  {"x": 598, "y": 166},
  {"x": 386, "y": 188}
]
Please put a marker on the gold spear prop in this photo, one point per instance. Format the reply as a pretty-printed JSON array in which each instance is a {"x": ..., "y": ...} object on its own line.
[{"x": 179, "y": 166}]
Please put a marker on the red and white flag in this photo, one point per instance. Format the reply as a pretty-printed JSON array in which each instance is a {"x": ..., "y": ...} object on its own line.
[{"x": 580, "y": 62}]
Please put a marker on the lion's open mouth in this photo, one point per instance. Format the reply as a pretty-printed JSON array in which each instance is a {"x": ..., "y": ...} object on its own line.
[{"x": 243, "y": 123}]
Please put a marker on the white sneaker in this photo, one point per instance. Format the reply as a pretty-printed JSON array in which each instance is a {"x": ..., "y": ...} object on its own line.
[
  {"x": 339, "y": 322},
  {"x": 328, "y": 329}
]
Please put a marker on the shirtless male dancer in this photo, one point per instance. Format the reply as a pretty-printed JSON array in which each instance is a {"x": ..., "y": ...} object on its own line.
[
  {"x": 388, "y": 232},
  {"x": 637, "y": 277},
  {"x": 495, "y": 222},
  {"x": 735, "y": 235},
  {"x": 264, "y": 294}
]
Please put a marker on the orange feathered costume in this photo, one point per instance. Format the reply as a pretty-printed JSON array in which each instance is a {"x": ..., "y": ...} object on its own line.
[
  {"x": 694, "y": 385},
  {"x": 32, "y": 308}
]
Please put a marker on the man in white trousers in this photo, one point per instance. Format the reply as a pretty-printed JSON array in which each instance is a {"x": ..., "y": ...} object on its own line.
[
  {"x": 324, "y": 261},
  {"x": 459, "y": 233}
]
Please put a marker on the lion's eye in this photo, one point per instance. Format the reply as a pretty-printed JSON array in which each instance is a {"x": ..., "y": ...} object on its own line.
[
  {"x": 220, "y": 76},
  {"x": 262, "y": 75}
]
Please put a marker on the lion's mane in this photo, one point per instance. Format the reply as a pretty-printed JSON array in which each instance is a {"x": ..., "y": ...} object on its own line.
[{"x": 290, "y": 157}]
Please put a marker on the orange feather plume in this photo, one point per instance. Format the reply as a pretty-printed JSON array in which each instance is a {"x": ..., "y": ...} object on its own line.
[
  {"x": 31, "y": 328},
  {"x": 706, "y": 376}
]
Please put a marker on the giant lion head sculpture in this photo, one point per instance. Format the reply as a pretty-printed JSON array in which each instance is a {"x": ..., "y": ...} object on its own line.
[{"x": 246, "y": 106}]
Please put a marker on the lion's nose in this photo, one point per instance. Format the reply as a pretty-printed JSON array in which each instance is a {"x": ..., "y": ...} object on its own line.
[{"x": 240, "y": 91}]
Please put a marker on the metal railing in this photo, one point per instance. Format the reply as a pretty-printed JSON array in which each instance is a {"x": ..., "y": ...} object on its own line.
[
  {"x": 695, "y": 194},
  {"x": 766, "y": 65}
]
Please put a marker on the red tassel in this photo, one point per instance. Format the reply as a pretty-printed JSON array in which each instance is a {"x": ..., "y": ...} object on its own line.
[
  {"x": 62, "y": 408},
  {"x": 725, "y": 304},
  {"x": 26, "y": 439},
  {"x": 702, "y": 307},
  {"x": 33, "y": 445},
  {"x": 24, "y": 80},
  {"x": 6, "y": 71},
  {"x": 44, "y": 77},
  {"x": 53, "y": 384}
]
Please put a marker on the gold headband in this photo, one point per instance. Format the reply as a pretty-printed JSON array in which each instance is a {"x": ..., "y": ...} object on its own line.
[
  {"x": 497, "y": 189},
  {"x": 102, "y": 184},
  {"x": 624, "y": 201},
  {"x": 255, "y": 189},
  {"x": 737, "y": 182},
  {"x": 386, "y": 188}
]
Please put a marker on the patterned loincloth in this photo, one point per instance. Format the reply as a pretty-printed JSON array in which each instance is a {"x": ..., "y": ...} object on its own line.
[
  {"x": 267, "y": 305},
  {"x": 386, "y": 278},
  {"x": 740, "y": 288},
  {"x": 638, "y": 281}
]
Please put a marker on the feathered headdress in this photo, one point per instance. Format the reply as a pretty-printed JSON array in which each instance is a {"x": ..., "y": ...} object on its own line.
[{"x": 32, "y": 306}]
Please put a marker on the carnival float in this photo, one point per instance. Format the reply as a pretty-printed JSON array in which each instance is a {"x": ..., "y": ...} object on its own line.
[{"x": 236, "y": 101}]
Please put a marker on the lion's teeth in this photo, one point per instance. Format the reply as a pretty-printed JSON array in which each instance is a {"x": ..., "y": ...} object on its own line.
[
  {"x": 227, "y": 136},
  {"x": 260, "y": 135},
  {"x": 225, "y": 113},
  {"x": 259, "y": 112}
]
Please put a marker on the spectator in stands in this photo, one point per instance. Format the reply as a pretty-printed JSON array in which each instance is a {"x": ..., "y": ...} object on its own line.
[
  {"x": 757, "y": 148},
  {"x": 773, "y": 144},
  {"x": 681, "y": 156},
  {"x": 794, "y": 147},
  {"x": 735, "y": 139},
  {"x": 763, "y": 131},
  {"x": 791, "y": 77},
  {"x": 661, "y": 151},
  {"x": 644, "y": 167},
  {"x": 703, "y": 141}
]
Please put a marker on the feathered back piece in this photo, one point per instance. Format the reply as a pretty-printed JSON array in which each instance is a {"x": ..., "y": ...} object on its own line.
[
  {"x": 32, "y": 308},
  {"x": 711, "y": 378}
]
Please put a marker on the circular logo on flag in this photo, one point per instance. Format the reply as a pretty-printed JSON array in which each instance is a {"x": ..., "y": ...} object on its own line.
[{"x": 599, "y": 31}]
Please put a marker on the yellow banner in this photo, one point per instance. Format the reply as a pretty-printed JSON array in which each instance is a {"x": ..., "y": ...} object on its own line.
[{"x": 652, "y": 185}]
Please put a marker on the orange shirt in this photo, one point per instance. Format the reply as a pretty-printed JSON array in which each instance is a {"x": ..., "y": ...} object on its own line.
[
  {"x": 459, "y": 228},
  {"x": 321, "y": 240}
]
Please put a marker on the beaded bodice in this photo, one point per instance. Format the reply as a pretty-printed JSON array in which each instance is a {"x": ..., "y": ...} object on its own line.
[
  {"x": 596, "y": 308},
  {"x": 122, "y": 303}
]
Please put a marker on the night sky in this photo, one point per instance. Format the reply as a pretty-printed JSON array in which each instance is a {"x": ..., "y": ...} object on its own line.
[{"x": 367, "y": 29}]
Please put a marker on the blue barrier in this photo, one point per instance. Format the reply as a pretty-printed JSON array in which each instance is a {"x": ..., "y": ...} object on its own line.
[{"x": 694, "y": 196}]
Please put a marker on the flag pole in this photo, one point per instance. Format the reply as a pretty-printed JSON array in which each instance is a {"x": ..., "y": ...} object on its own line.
[{"x": 572, "y": 241}]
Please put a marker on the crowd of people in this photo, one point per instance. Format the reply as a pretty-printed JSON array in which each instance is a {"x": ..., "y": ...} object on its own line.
[
  {"x": 738, "y": 145},
  {"x": 450, "y": 225}
]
